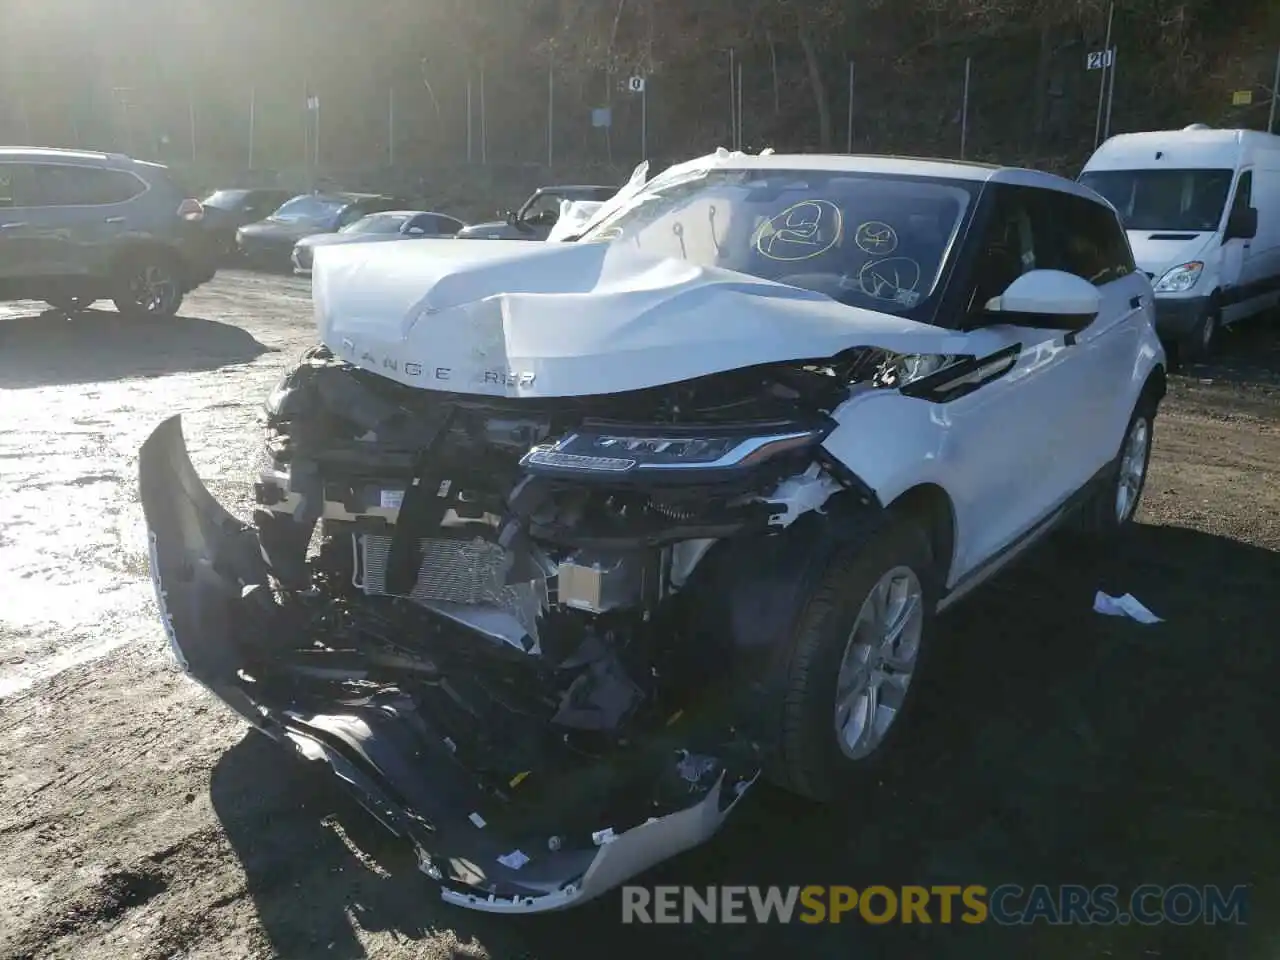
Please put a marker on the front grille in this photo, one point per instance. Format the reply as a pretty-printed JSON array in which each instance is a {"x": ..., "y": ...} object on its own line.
[{"x": 468, "y": 572}]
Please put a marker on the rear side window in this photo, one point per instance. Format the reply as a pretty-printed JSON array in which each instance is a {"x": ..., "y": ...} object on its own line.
[
  {"x": 6, "y": 185},
  {"x": 57, "y": 185}
]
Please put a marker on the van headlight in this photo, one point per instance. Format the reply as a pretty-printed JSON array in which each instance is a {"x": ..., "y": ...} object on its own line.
[{"x": 1181, "y": 278}]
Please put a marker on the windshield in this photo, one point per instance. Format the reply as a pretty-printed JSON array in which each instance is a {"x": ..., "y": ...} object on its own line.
[
  {"x": 225, "y": 199},
  {"x": 377, "y": 223},
  {"x": 865, "y": 240},
  {"x": 309, "y": 209},
  {"x": 1186, "y": 200}
]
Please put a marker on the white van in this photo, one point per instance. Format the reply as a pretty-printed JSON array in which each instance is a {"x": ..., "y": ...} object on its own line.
[{"x": 1202, "y": 210}]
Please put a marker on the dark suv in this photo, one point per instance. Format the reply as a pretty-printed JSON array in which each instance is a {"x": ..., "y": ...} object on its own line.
[{"x": 77, "y": 227}]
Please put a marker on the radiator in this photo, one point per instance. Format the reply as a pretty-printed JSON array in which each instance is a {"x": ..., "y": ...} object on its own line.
[{"x": 467, "y": 572}]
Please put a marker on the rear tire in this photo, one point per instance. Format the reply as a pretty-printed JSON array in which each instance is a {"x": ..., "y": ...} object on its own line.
[
  {"x": 855, "y": 660},
  {"x": 150, "y": 288},
  {"x": 71, "y": 305}
]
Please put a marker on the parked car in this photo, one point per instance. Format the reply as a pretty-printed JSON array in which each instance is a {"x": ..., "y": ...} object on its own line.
[
  {"x": 610, "y": 529},
  {"x": 269, "y": 243},
  {"x": 78, "y": 227},
  {"x": 378, "y": 228},
  {"x": 538, "y": 214},
  {"x": 1202, "y": 210},
  {"x": 226, "y": 211}
]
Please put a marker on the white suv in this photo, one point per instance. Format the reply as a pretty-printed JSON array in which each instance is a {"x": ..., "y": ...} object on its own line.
[{"x": 610, "y": 527}]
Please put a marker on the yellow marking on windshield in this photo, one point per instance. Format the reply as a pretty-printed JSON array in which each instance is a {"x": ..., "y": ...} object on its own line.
[{"x": 796, "y": 233}]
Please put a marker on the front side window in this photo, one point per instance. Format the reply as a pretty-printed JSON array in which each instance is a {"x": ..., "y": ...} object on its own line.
[
  {"x": 868, "y": 240},
  {"x": 1243, "y": 199},
  {"x": 377, "y": 223},
  {"x": 542, "y": 210},
  {"x": 1034, "y": 229},
  {"x": 1090, "y": 242},
  {"x": 227, "y": 199},
  {"x": 1189, "y": 201},
  {"x": 309, "y": 210}
]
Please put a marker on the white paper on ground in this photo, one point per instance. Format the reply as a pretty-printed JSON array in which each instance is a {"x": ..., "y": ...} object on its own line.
[
  {"x": 1126, "y": 606},
  {"x": 513, "y": 860}
]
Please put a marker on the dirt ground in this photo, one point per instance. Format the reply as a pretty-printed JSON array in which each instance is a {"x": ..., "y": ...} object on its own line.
[{"x": 138, "y": 818}]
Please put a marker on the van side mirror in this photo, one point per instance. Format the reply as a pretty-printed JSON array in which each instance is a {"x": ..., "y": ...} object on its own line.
[
  {"x": 1242, "y": 225},
  {"x": 1045, "y": 300}
]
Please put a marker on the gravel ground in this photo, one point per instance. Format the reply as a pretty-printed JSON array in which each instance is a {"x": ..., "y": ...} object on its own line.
[{"x": 138, "y": 818}]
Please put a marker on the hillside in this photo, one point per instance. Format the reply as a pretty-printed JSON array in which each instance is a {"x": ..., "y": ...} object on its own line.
[{"x": 392, "y": 78}]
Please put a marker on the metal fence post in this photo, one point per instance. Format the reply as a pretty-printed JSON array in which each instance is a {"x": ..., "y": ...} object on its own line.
[
  {"x": 1275, "y": 93},
  {"x": 484, "y": 122},
  {"x": 741, "y": 124},
  {"x": 1102, "y": 85},
  {"x": 1111, "y": 94},
  {"x": 733, "y": 103},
  {"x": 253, "y": 109},
  {"x": 644, "y": 120},
  {"x": 964, "y": 109},
  {"x": 849, "y": 139},
  {"x": 551, "y": 110},
  {"x": 391, "y": 127}
]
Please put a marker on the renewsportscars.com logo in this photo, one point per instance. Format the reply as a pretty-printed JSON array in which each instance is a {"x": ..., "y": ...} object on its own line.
[{"x": 1005, "y": 905}]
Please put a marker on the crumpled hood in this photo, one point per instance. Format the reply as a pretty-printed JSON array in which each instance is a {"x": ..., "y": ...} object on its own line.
[
  {"x": 1157, "y": 256},
  {"x": 510, "y": 318}
]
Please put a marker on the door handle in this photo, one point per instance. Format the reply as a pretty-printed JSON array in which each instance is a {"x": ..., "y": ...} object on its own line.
[
  {"x": 13, "y": 226},
  {"x": 115, "y": 219},
  {"x": 1136, "y": 303}
]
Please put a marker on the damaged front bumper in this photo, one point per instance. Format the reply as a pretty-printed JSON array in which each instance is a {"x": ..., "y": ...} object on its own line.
[{"x": 223, "y": 621}]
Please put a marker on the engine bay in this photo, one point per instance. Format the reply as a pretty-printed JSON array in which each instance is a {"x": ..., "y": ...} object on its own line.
[{"x": 539, "y": 576}]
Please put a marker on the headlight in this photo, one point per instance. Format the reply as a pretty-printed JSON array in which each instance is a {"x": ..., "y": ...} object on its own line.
[
  {"x": 669, "y": 452},
  {"x": 280, "y": 396},
  {"x": 1181, "y": 278}
]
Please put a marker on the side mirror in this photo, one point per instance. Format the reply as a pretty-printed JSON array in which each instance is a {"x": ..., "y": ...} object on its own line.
[
  {"x": 1242, "y": 225},
  {"x": 1046, "y": 300},
  {"x": 416, "y": 231}
]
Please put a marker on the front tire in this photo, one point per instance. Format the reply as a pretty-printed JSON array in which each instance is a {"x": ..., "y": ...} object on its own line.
[
  {"x": 1200, "y": 343},
  {"x": 150, "y": 288},
  {"x": 1112, "y": 507},
  {"x": 855, "y": 656}
]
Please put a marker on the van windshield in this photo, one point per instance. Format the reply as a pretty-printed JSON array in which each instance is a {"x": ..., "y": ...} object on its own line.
[{"x": 1185, "y": 200}]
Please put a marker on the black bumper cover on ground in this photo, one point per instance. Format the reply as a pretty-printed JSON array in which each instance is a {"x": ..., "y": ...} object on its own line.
[{"x": 208, "y": 573}]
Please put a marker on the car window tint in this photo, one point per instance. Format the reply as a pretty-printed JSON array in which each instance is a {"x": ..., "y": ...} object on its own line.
[
  {"x": 7, "y": 192},
  {"x": 1079, "y": 236},
  {"x": 59, "y": 185},
  {"x": 1034, "y": 229},
  {"x": 1244, "y": 193}
]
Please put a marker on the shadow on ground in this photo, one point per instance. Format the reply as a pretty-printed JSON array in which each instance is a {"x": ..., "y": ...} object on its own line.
[
  {"x": 1057, "y": 746},
  {"x": 1245, "y": 354},
  {"x": 53, "y": 348}
]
